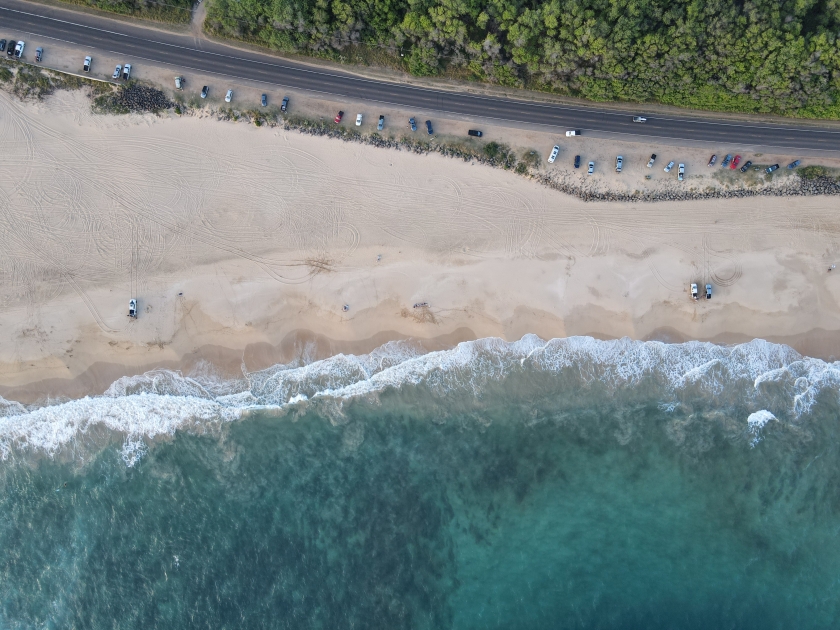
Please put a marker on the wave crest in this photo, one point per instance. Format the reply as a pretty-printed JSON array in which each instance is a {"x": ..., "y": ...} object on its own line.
[{"x": 162, "y": 402}]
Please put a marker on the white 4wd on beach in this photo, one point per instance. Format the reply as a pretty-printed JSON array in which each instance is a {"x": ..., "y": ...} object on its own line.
[{"x": 554, "y": 152}]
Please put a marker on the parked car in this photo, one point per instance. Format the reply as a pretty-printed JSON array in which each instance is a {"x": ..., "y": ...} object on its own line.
[
  {"x": 284, "y": 105},
  {"x": 591, "y": 168},
  {"x": 229, "y": 96},
  {"x": 746, "y": 166},
  {"x": 39, "y": 54},
  {"x": 554, "y": 153},
  {"x": 669, "y": 167},
  {"x": 263, "y": 100},
  {"x": 694, "y": 290},
  {"x": 573, "y": 132},
  {"x": 639, "y": 119},
  {"x": 358, "y": 120},
  {"x": 770, "y": 169},
  {"x": 338, "y": 117},
  {"x": 712, "y": 160},
  {"x": 86, "y": 65},
  {"x": 2, "y": 45},
  {"x": 204, "y": 91},
  {"x": 619, "y": 162},
  {"x": 735, "y": 162},
  {"x": 381, "y": 124},
  {"x": 117, "y": 72},
  {"x": 475, "y": 133},
  {"x": 126, "y": 71},
  {"x": 132, "y": 308},
  {"x": 726, "y": 161},
  {"x": 793, "y": 164},
  {"x": 681, "y": 172},
  {"x": 413, "y": 124},
  {"x": 651, "y": 160},
  {"x": 577, "y": 161},
  {"x": 708, "y": 291},
  {"x": 429, "y": 127},
  {"x": 19, "y": 49},
  {"x": 11, "y": 49}
]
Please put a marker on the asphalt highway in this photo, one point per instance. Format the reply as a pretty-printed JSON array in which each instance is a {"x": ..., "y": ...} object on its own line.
[{"x": 184, "y": 52}]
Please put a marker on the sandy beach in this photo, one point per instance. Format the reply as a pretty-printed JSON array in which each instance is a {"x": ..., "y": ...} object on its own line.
[{"x": 244, "y": 245}]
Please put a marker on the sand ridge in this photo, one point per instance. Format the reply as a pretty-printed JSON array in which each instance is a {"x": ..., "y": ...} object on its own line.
[{"x": 231, "y": 235}]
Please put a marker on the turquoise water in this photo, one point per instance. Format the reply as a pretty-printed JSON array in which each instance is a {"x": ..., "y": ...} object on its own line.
[{"x": 574, "y": 484}]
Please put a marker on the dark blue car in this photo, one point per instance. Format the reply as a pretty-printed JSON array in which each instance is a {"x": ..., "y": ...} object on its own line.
[
  {"x": 429, "y": 127},
  {"x": 577, "y": 161}
]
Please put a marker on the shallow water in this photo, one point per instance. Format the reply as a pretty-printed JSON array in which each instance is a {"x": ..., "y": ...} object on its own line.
[{"x": 574, "y": 484}]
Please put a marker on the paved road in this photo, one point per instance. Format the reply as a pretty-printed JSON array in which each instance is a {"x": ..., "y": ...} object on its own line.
[{"x": 92, "y": 32}]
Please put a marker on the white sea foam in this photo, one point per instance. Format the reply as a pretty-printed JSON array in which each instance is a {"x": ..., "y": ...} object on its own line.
[
  {"x": 162, "y": 402},
  {"x": 756, "y": 422}
]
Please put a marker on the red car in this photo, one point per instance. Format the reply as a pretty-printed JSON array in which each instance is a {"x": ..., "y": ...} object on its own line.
[
  {"x": 735, "y": 162},
  {"x": 338, "y": 117}
]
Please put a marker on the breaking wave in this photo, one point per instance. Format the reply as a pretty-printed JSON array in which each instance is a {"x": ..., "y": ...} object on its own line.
[{"x": 162, "y": 402}]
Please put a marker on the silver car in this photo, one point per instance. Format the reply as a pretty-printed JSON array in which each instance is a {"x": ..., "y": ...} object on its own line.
[
  {"x": 591, "y": 168},
  {"x": 619, "y": 162},
  {"x": 669, "y": 167},
  {"x": 117, "y": 72}
]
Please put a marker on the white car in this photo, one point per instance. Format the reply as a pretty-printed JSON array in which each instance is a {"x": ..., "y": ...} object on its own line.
[
  {"x": 681, "y": 173},
  {"x": 669, "y": 167},
  {"x": 591, "y": 168},
  {"x": 126, "y": 71},
  {"x": 178, "y": 83},
  {"x": 19, "y": 49},
  {"x": 619, "y": 162},
  {"x": 117, "y": 72},
  {"x": 652, "y": 160},
  {"x": 554, "y": 152},
  {"x": 86, "y": 67},
  {"x": 573, "y": 132},
  {"x": 639, "y": 119},
  {"x": 694, "y": 290},
  {"x": 228, "y": 96},
  {"x": 358, "y": 120},
  {"x": 132, "y": 308}
]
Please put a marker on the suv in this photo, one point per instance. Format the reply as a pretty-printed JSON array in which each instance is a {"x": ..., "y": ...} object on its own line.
[
  {"x": 746, "y": 166},
  {"x": 126, "y": 71},
  {"x": 381, "y": 124},
  {"x": 475, "y": 133},
  {"x": 681, "y": 173},
  {"x": 179, "y": 83},
  {"x": 793, "y": 164},
  {"x": 229, "y": 96},
  {"x": 554, "y": 152},
  {"x": 712, "y": 160},
  {"x": 413, "y": 124},
  {"x": 652, "y": 160},
  {"x": 284, "y": 105},
  {"x": 338, "y": 117},
  {"x": 19, "y": 49},
  {"x": 263, "y": 100},
  {"x": 619, "y": 161},
  {"x": 770, "y": 169},
  {"x": 726, "y": 161},
  {"x": 2, "y": 45},
  {"x": 204, "y": 91},
  {"x": 577, "y": 161},
  {"x": 429, "y": 127},
  {"x": 39, "y": 54},
  {"x": 11, "y": 49},
  {"x": 573, "y": 132},
  {"x": 86, "y": 66}
]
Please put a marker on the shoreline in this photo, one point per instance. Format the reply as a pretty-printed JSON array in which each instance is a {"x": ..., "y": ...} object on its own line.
[{"x": 228, "y": 363}]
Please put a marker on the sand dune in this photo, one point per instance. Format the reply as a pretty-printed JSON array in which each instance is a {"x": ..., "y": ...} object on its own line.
[{"x": 265, "y": 234}]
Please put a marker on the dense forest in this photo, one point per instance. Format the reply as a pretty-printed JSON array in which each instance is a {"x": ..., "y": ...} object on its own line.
[{"x": 754, "y": 55}]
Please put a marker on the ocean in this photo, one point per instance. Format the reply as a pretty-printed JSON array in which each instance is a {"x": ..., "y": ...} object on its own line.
[{"x": 571, "y": 483}]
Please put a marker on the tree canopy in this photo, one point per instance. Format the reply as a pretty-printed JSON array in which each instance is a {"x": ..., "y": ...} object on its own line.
[{"x": 776, "y": 56}]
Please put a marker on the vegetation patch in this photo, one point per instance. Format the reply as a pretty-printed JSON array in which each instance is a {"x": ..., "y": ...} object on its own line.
[
  {"x": 132, "y": 97},
  {"x": 761, "y": 56},
  {"x": 177, "y": 11}
]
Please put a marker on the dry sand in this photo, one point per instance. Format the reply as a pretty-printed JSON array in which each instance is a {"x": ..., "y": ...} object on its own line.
[{"x": 243, "y": 244}]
